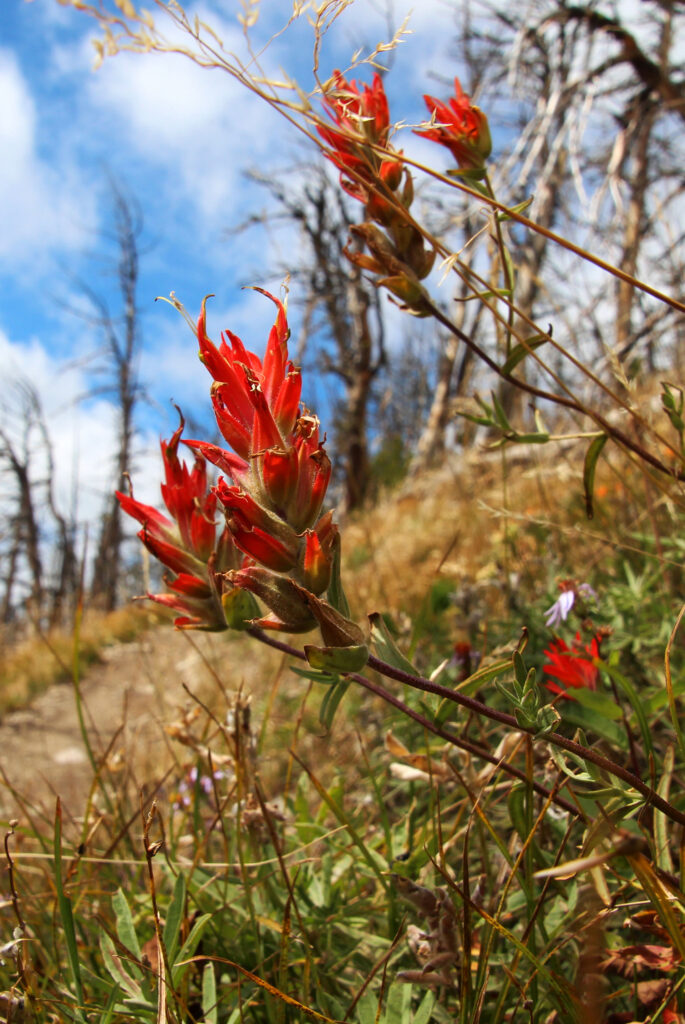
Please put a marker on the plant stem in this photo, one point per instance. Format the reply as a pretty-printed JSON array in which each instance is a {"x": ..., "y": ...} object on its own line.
[
  {"x": 456, "y": 741},
  {"x": 477, "y": 707},
  {"x": 586, "y": 753},
  {"x": 569, "y": 403}
]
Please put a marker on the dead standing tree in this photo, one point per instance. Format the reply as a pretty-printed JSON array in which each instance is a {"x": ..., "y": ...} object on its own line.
[
  {"x": 607, "y": 168},
  {"x": 18, "y": 456},
  {"x": 352, "y": 320},
  {"x": 34, "y": 519},
  {"x": 588, "y": 105},
  {"x": 118, "y": 365}
]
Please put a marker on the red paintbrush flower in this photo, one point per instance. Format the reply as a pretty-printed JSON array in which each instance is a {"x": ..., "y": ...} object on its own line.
[
  {"x": 362, "y": 126},
  {"x": 280, "y": 459},
  {"x": 572, "y": 666},
  {"x": 272, "y": 510},
  {"x": 281, "y": 470},
  {"x": 461, "y": 127},
  {"x": 255, "y": 401},
  {"x": 186, "y": 541}
]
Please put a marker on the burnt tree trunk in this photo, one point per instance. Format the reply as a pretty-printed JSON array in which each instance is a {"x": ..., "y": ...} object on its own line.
[{"x": 122, "y": 351}]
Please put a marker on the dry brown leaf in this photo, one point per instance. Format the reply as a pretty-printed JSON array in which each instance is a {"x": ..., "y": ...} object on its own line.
[{"x": 628, "y": 959}]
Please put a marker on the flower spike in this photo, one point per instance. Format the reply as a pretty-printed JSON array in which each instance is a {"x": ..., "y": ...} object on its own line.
[
  {"x": 278, "y": 473},
  {"x": 461, "y": 128}
]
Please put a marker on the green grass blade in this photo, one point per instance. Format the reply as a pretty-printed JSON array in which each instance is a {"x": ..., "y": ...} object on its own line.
[
  {"x": 174, "y": 917},
  {"x": 210, "y": 1009},
  {"x": 126, "y": 930},
  {"x": 67, "y": 918}
]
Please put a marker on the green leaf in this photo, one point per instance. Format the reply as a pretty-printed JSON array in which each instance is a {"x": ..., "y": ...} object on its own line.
[
  {"x": 398, "y": 1008},
  {"x": 67, "y": 918},
  {"x": 386, "y": 648},
  {"x": 516, "y": 808},
  {"x": 329, "y": 705},
  {"x": 525, "y": 719},
  {"x": 114, "y": 965},
  {"x": 315, "y": 674},
  {"x": 482, "y": 421},
  {"x": 561, "y": 761},
  {"x": 210, "y": 1009},
  {"x": 547, "y": 719},
  {"x": 501, "y": 416},
  {"x": 635, "y": 702},
  {"x": 181, "y": 966},
  {"x": 174, "y": 917},
  {"x": 240, "y": 608},
  {"x": 661, "y": 823},
  {"x": 110, "y": 1007},
  {"x": 473, "y": 175},
  {"x": 598, "y": 703},
  {"x": 495, "y": 293},
  {"x": 126, "y": 929},
  {"x": 519, "y": 208},
  {"x": 509, "y": 264},
  {"x": 337, "y": 659},
  {"x": 423, "y": 1013},
  {"x": 575, "y": 713},
  {"x": 591, "y": 457},
  {"x": 448, "y": 709},
  {"x": 519, "y": 669},
  {"x": 367, "y": 1008}
]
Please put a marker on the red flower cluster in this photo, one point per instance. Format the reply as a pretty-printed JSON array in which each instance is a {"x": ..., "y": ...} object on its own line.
[
  {"x": 573, "y": 666},
  {"x": 275, "y": 543},
  {"x": 362, "y": 122},
  {"x": 187, "y": 543},
  {"x": 461, "y": 127},
  {"x": 373, "y": 172}
]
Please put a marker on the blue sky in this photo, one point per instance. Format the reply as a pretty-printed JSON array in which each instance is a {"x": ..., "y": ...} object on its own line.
[{"x": 178, "y": 138}]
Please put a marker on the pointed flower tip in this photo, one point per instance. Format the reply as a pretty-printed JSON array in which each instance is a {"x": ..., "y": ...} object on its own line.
[
  {"x": 202, "y": 319},
  {"x": 461, "y": 127}
]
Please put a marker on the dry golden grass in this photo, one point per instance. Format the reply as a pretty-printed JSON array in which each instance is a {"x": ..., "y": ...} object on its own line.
[
  {"x": 43, "y": 658},
  {"x": 482, "y": 521},
  {"x": 489, "y": 521},
  {"x": 447, "y": 523}
]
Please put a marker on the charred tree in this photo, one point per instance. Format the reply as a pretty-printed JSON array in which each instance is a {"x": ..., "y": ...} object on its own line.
[
  {"x": 350, "y": 318},
  {"x": 117, "y": 366}
]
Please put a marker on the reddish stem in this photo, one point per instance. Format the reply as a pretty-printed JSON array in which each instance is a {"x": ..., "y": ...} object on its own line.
[{"x": 477, "y": 707}]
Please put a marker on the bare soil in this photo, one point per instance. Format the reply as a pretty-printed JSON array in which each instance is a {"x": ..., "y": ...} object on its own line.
[{"x": 128, "y": 698}]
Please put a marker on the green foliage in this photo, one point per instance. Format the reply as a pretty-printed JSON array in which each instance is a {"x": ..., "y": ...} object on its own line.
[{"x": 389, "y": 464}]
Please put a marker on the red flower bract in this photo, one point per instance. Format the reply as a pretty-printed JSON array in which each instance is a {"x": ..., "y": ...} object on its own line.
[
  {"x": 272, "y": 509},
  {"x": 281, "y": 471},
  {"x": 572, "y": 666},
  {"x": 461, "y": 127},
  {"x": 361, "y": 114},
  {"x": 362, "y": 120},
  {"x": 256, "y": 402},
  {"x": 187, "y": 543}
]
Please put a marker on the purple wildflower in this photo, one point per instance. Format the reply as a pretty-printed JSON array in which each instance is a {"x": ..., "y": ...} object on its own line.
[{"x": 561, "y": 609}]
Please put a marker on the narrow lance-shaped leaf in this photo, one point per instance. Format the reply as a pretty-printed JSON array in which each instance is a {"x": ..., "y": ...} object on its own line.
[
  {"x": 591, "y": 457},
  {"x": 385, "y": 645},
  {"x": 523, "y": 348},
  {"x": 67, "y": 917}
]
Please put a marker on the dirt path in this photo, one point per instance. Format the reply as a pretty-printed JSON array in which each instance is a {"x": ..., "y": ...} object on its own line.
[{"x": 136, "y": 690}]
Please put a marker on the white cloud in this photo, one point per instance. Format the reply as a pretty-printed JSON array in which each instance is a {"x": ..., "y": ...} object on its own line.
[
  {"x": 198, "y": 128},
  {"x": 82, "y": 433},
  {"x": 41, "y": 205}
]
